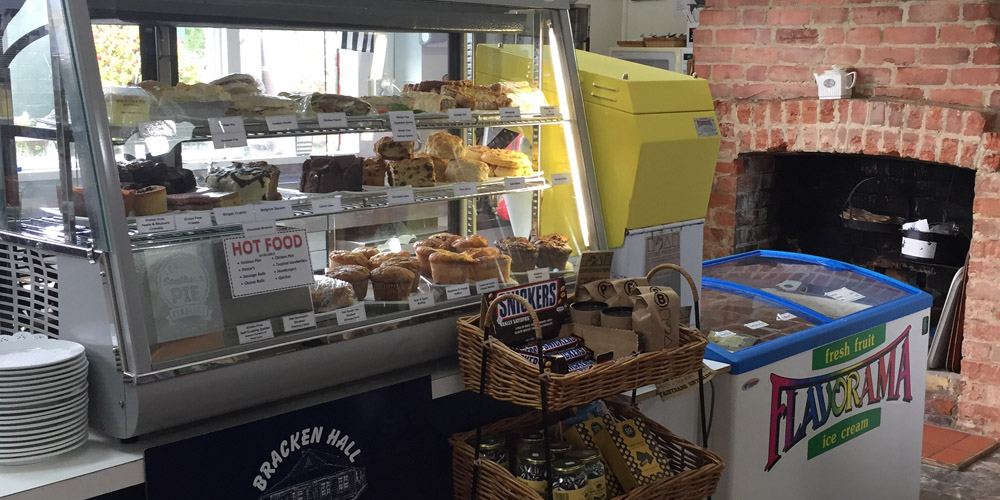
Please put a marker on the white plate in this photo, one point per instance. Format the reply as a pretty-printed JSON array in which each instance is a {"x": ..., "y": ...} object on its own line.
[
  {"x": 47, "y": 373},
  {"x": 42, "y": 400},
  {"x": 11, "y": 390},
  {"x": 40, "y": 413},
  {"x": 42, "y": 456},
  {"x": 33, "y": 423},
  {"x": 34, "y": 353},
  {"x": 10, "y": 452},
  {"x": 67, "y": 427}
]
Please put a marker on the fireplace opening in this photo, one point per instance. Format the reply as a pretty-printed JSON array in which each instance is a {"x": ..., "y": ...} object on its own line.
[{"x": 798, "y": 202}]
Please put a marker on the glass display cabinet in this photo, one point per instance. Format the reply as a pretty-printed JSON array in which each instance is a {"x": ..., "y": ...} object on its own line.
[{"x": 233, "y": 202}]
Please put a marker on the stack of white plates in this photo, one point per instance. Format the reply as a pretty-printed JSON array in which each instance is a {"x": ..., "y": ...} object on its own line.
[{"x": 43, "y": 399}]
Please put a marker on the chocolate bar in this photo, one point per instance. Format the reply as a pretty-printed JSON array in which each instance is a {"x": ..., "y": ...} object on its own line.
[
  {"x": 582, "y": 365},
  {"x": 552, "y": 345},
  {"x": 511, "y": 322},
  {"x": 560, "y": 361},
  {"x": 574, "y": 354}
]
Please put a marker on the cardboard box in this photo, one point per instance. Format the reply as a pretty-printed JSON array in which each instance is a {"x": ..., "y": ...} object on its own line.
[
  {"x": 593, "y": 434},
  {"x": 640, "y": 460}
]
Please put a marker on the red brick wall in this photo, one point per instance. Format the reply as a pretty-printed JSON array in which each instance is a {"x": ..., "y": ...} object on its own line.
[{"x": 928, "y": 83}]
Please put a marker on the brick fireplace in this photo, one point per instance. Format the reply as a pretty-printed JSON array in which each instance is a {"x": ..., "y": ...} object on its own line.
[{"x": 928, "y": 85}]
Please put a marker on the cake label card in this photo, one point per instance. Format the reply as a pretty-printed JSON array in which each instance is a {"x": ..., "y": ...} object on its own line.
[
  {"x": 487, "y": 286},
  {"x": 514, "y": 183},
  {"x": 327, "y": 206},
  {"x": 155, "y": 223},
  {"x": 332, "y": 120},
  {"x": 352, "y": 314},
  {"x": 538, "y": 274},
  {"x": 234, "y": 215},
  {"x": 404, "y": 127},
  {"x": 273, "y": 210},
  {"x": 299, "y": 321},
  {"x": 756, "y": 325},
  {"x": 255, "y": 332},
  {"x": 420, "y": 300},
  {"x": 193, "y": 220},
  {"x": 258, "y": 264},
  {"x": 400, "y": 196},
  {"x": 259, "y": 227},
  {"x": 786, "y": 316},
  {"x": 228, "y": 132},
  {"x": 281, "y": 122},
  {"x": 460, "y": 115},
  {"x": 511, "y": 114},
  {"x": 457, "y": 291},
  {"x": 465, "y": 189},
  {"x": 560, "y": 179},
  {"x": 845, "y": 295},
  {"x": 550, "y": 112}
]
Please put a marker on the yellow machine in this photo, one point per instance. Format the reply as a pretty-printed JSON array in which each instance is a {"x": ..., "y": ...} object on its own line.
[{"x": 653, "y": 135}]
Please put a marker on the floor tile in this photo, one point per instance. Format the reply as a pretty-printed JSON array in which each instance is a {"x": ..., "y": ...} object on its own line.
[
  {"x": 975, "y": 444},
  {"x": 929, "y": 449},
  {"x": 941, "y": 436},
  {"x": 951, "y": 456}
]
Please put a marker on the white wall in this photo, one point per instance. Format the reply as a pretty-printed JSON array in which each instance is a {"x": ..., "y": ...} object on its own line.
[
  {"x": 605, "y": 24},
  {"x": 652, "y": 17}
]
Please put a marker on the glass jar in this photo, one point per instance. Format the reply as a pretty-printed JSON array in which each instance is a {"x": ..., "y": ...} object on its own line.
[
  {"x": 529, "y": 442},
  {"x": 559, "y": 449},
  {"x": 569, "y": 481},
  {"x": 531, "y": 471},
  {"x": 494, "y": 449},
  {"x": 592, "y": 465}
]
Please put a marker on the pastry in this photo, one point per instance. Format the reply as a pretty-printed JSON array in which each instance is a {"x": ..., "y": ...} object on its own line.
[
  {"x": 377, "y": 259},
  {"x": 392, "y": 282},
  {"x": 336, "y": 103},
  {"x": 150, "y": 200},
  {"x": 507, "y": 163},
  {"x": 429, "y": 101},
  {"x": 410, "y": 263},
  {"x": 347, "y": 258},
  {"x": 368, "y": 252},
  {"x": 182, "y": 92},
  {"x": 440, "y": 164},
  {"x": 489, "y": 252},
  {"x": 252, "y": 182},
  {"x": 388, "y": 149},
  {"x": 143, "y": 173},
  {"x": 373, "y": 172},
  {"x": 329, "y": 293},
  {"x": 416, "y": 172},
  {"x": 435, "y": 85},
  {"x": 424, "y": 249},
  {"x": 450, "y": 268},
  {"x": 386, "y": 103},
  {"x": 486, "y": 267},
  {"x": 561, "y": 238},
  {"x": 259, "y": 106},
  {"x": 357, "y": 276},
  {"x": 552, "y": 251},
  {"x": 238, "y": 84},
  {"x": 476, "y": 97},
  {"x": 325, "y": 174},
  {"x": 475, "y": 153},
  {"x": 445, "y": 145},
  {"x": 521, "y": 94},
  {"x": 468, "y": 243},
  {"x": 447, "y": 238},
  {"x": 191, "y": 201},
  {"x": 272, "y": 171},
  {"x": 523, "y": 253},
  {"x": 466, "y": 171}
]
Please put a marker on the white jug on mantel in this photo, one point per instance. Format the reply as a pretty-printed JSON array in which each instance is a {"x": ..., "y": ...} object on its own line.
[{"x": 833, "y": 83}]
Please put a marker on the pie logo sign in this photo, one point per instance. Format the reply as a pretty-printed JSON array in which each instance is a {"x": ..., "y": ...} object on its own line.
[
  {"x": 184, "y": 285},
  {"x": 320, "y": 467}
]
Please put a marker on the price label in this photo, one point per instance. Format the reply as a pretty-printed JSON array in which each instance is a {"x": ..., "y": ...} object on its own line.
[
  {"x": 228, "y": 132},
  {"x": 281, "y": 122},
  {"x": 193, "y": 220},
  {"x": 511, "y": 114},
  {"x": 299, "y": 321},
  {"x": 487, "y": 286},
  {"x": 756, "y": 325},
  {"x": 460, "y": 115},
  {"x": 353, "y": 314},
  {"x": 560, "y": 179},
  {"x": 234, "y": 215},
  {"x": 332, "y": 120},
  {"x": 845, "y": 295},
  {"x": 274, "y": 210},
  {"x": 550, "y": 112},
  {"x": 255, "y": 332},
  {"x": 725, "y": 333},
  {"x": 404, "y": 127},
  {"x": 786, "y": 316},
  {"x": 420, "y": 300},
  {"x": 327, "y": 206},
  {"x": 457, "y": 291},
  {"x": 514, "y": 183},
  {"x": 538, "y": 274},
  {"x": 155, "y": 223},
  {"x": 259, "y": 227},
  {"x": 464, "y": 188},
  {"x": 400, "y": 196}
]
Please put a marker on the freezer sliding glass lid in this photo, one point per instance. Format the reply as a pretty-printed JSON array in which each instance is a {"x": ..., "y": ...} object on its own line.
[
  {"x": 828, "y": 287},
  {"x": 735, "y": 320}
]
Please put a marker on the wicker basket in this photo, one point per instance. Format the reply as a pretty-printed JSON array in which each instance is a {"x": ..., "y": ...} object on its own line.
[
  {"x": 696, "y": 470},
  {"x": 509, "y": 377}
]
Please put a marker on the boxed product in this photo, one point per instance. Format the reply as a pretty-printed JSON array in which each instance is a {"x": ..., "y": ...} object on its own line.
[{"x": 511, "y": 322}]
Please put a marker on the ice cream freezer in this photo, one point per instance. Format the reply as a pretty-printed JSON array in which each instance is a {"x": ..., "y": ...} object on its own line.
[{"x": 825, "y": 395}]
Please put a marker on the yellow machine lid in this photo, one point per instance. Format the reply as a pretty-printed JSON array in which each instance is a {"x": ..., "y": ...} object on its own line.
[{"x": 647, "y": 89}]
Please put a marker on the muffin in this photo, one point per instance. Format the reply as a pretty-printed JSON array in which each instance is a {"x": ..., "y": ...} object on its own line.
[
  {"x": 488, "y": 252},
  {"x": 468, "y": 243},
  {"x": 447, "y": 238},
  {"x": 450, "y": 268},
  {"x": 424, "y": 251},
  {"x": 552, "y": 253},
  {"x": 392, "y": 282},
  {"x": 486, "y": 267},
  {"x": 523, "y": 254},
  {"x": 410, "y": 263},
  {"x": 347, "y": 258},
  {"x": 561, "y": 238},
  {"x": 356, "y": 275},
  {"x": 368, "y": 252},
  {"x": 383, "y": 256}
]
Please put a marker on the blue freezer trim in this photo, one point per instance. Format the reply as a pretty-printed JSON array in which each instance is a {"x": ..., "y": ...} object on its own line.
[{"x": 746, "y": 291}]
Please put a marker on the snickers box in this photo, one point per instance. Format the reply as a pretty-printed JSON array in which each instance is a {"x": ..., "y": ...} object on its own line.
[{"x": 511, "y": 322}]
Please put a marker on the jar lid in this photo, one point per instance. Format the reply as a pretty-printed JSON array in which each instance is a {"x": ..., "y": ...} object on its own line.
[
  {"x": 567, "y": 466},
  {"x": 533, "y": 458},
  {"x": 560, "y": 447},
  {"x": 534, "y": 437},
  {"x": 585, "y": 455},
  {"x": 492, "y": 443}
]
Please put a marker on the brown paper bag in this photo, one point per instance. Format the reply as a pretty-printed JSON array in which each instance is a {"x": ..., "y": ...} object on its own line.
[
  {"x": 626, "y": 288},
  {"x": 599, "y": 291},
  {"x": 656, "y": 316}
]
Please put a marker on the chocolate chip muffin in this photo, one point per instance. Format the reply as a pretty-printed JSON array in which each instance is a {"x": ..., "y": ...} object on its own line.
[
  {"x": 411, "y": 264},
  {"x": 553, "y": 252},
  {"x": 392, "y": 282},
  {"x": 523, "y": 254},
  {"x": 356, "y": 275}
]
